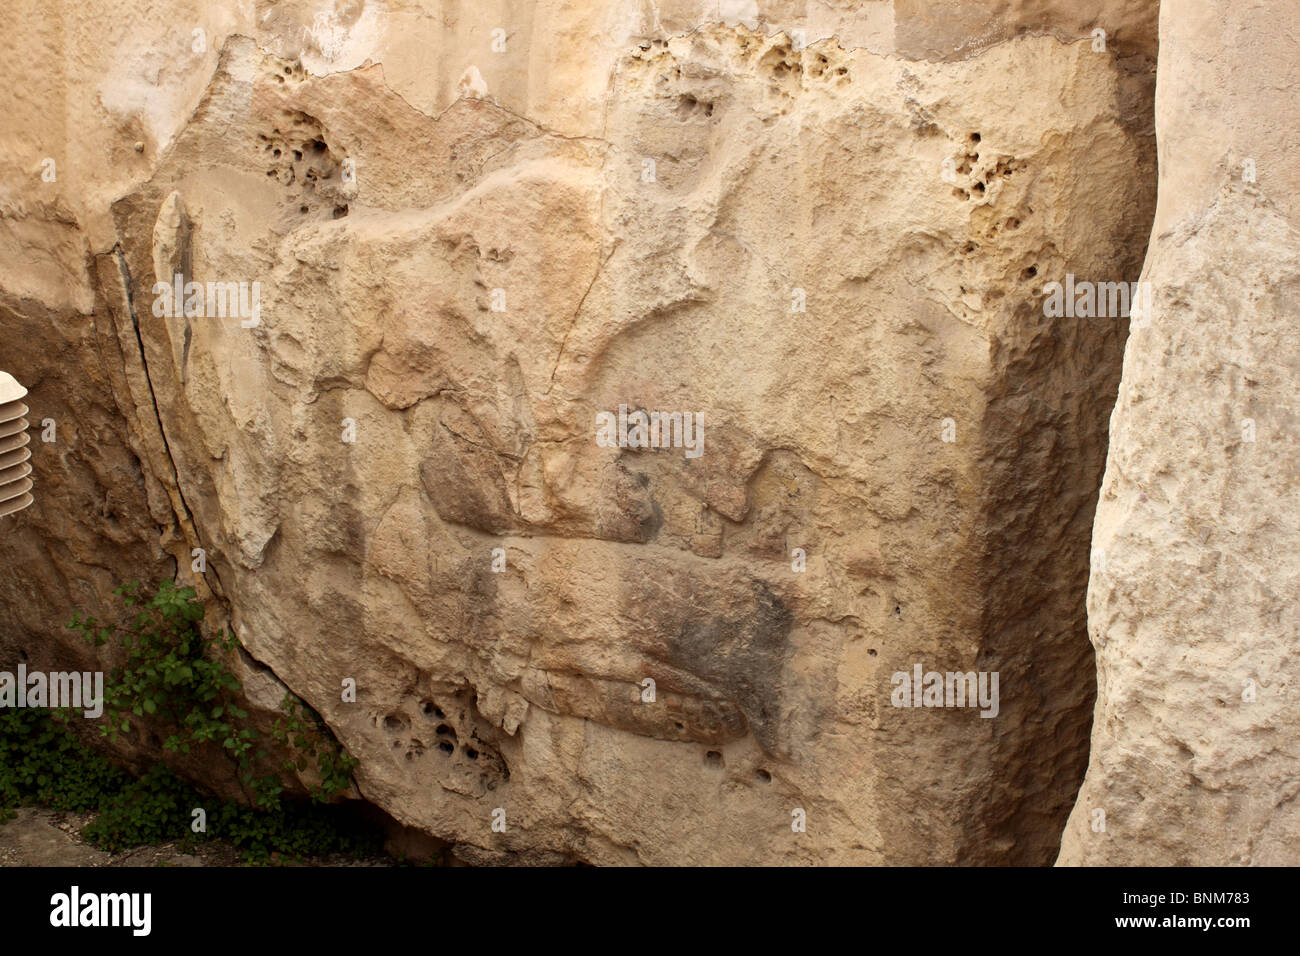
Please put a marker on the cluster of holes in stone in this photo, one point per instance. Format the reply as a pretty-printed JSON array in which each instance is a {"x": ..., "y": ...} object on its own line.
[
  {"x": 689, "y": 107},
  {"x": 713, "y": 760},
  {"x": 1002, "y": 169},
  {"x": 784, "y": 61},
  {"x": 781, "y": 63},
  {"x": 299, "y": 155},
  {"x": 293, "y": 71},
  {"x": 448, "y": 741}
]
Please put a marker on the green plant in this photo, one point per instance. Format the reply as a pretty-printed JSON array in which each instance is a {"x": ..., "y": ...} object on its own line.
[
  {"x": 154, "y": 808},
  {"x": 43, "y": 763},
  {"x": 302, "y": 732},
  {"x": 174, "y": 678}
]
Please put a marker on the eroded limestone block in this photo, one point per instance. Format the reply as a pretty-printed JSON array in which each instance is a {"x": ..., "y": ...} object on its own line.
[
  {"x": 830, "y": 247},
  {"x": 1191, "y": 602}
]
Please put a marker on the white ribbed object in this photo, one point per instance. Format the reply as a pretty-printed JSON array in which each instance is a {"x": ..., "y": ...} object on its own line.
[{"x": 14, "y": 469}]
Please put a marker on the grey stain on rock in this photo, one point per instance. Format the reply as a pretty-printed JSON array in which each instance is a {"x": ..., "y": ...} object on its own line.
[{"x": 743, "y": 656}]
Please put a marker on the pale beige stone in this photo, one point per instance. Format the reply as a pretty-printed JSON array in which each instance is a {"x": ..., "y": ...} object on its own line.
[{"x": 1191, "y": 604}]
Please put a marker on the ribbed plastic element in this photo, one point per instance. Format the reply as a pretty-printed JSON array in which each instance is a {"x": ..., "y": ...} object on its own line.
[{"x": 15, "y": 485}]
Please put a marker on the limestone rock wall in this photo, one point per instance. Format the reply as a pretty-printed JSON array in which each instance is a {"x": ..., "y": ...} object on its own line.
[
  {"x": 833, "y": 254},
  {"x": 1191, "y": 603}
]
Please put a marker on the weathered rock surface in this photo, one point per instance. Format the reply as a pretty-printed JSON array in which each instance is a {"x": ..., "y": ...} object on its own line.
[
  {"x": 1191, "y": 604},
  {"x": 463, "y": 256}
]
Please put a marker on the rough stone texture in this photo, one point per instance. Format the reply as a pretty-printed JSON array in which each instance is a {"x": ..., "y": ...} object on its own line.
[
  {"x": 775, "y": 169},
  {"x": 1191, "y": 603},
  {"x": 33, "y": 838}
]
